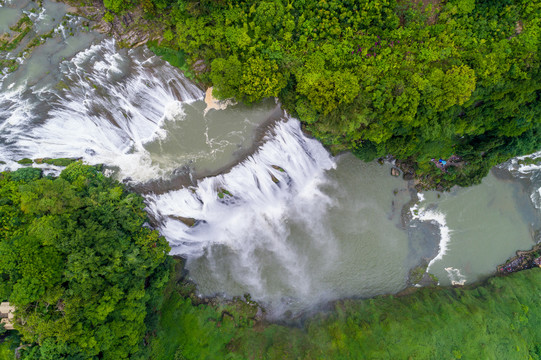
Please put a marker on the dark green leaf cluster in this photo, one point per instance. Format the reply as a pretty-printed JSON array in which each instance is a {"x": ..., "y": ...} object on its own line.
[
  {"x": 78, "y": 263},
  {"x": 416, "y": 80}
]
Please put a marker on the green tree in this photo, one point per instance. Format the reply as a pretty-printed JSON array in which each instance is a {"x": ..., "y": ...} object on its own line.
[
  {"x": 415, "y": 81},
  {"x": 118, "y": 6},
  {"x": 77, "y": 262}
]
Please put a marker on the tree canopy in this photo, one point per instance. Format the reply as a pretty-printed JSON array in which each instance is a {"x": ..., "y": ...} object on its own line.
[
  {"x": 414, "y": 79},
  {"x": 83, "y": 271}
]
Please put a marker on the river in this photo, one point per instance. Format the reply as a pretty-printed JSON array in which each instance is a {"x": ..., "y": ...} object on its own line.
[{"x": 276, "y": 216}]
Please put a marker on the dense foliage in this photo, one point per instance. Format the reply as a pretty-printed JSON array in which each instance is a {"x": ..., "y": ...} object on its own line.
[
  {"x": 497, "y": 320},
  {"x": 82, "y": 270},
  {"x": 417, "y": 80}
]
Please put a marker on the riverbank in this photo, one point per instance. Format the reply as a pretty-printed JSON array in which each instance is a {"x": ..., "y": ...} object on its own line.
[
  {"x": 429, "y": 323},
  {"x": 522, "y": 261},
  {"x": 131, "y": 29},
  {"x": 194, "y": 327},
  {"x": 243, "y": 313},
  {"x": 136, "y": 23}
]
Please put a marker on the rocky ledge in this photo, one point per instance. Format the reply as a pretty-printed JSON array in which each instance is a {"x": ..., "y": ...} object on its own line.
[
  {"x": 522, "y": 261},
  {"x": 130, "y": 29}
]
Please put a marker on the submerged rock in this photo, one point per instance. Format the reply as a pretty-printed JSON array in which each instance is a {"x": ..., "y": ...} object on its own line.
[
  {"x": 395, "y": 172},
  {"x": 25, "y": 161},
  {"x": 186, "y": 221}
]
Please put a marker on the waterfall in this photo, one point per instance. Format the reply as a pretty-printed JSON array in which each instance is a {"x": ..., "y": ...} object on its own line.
[
  {"x": 105, "y": 108},
  {"x": 247, "y": 216}
]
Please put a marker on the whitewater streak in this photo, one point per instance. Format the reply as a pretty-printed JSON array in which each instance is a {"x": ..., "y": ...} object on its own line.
[
  {"x": 530, "y": 171},
  {"x": 105, "y": 108},
  {"x": 436, "y": 217},
  {"x": 247, "y": 213}
]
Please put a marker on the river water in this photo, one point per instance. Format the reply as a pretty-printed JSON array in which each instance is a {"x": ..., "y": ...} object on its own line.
[{"x": 276, "y": 216}]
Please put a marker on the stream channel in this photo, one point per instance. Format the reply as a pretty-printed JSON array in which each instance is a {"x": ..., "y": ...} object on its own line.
[{"x": 276, "y": 216}]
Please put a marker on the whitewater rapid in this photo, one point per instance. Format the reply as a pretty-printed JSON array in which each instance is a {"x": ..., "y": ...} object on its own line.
[
  {"x": 246, "y": 211},
  {"x": 428, "y": 214},
  {"x": 532, "y": 172},
  {"x": 104, "y": 110}
]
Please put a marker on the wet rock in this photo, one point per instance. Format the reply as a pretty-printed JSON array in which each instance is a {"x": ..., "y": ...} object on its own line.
[
  {"x": 395, "y": 172},
  {"x": 187, "y": 221},
  {"x": 259, "y": 314},
  {"x": 25, "y": 161},
  {"x": 408, "y": 176},
  {"x": 131, "y": 29},
  {"x": 200, "y": 66}
]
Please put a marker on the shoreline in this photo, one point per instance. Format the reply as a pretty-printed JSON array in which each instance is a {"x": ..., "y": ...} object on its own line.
[
  {"x": 187, "y": 179},
  {"x": 523, "y": 260},
  {"x": 258, "y": 310},
  {"x": 130, "y": 30},
  {"x": 426, "y": 279}
]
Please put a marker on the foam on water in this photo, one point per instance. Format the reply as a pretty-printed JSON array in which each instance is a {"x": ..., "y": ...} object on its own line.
[
  {"x": 107, "y": 107},
  {"x": 455, "y": 276},
  {"x": 530, "y": 171},
  {"x": 438, "y": 218},
  {"x": 248, "y": 212}
]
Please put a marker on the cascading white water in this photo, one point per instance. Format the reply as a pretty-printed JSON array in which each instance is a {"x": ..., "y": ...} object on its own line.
[
  {"x": 247, "y": 212},
  {"x": 287, "y": 228},
  {"x": 531, "y": 171},
  {"x": 287, "y": 167},
  {"x": 291, "y": 225},
  {"x": 105, "y": 109}
]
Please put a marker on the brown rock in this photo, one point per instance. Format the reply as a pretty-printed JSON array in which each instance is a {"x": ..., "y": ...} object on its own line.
[
  {"x": 187, "y": 221},
  {"x": 408, "y": 176},
  {"x": 199, "y": 66}
]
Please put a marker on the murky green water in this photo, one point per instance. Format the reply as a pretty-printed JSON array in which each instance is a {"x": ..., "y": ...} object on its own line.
[
  {"x": 206, "y": 142},
  {"x": 8, "y": 18},
  {"x": 341, "y": 238},
  {"x": 487, "y": 224}
]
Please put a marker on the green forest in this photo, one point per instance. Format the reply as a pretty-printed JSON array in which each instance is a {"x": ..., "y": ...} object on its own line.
[
  {"x": 500, "y": 319},
  {"x": 90, "y": 280},
  {"x": 84, "y": 273},
  {"x": 419, "y": 81}
]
